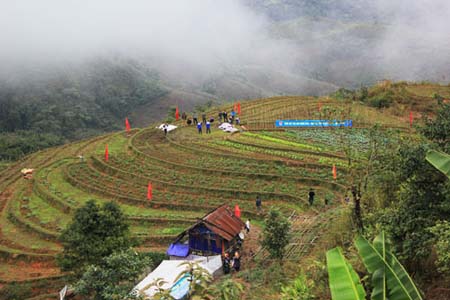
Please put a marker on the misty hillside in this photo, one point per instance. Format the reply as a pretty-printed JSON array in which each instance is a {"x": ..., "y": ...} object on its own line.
[
  {"x": 63, "y": 79},
  {"x": 353, "y": 43},
  {"x": 70, "y": 104}
]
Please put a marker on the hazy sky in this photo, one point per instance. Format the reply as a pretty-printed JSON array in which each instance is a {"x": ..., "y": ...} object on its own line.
[
  {"x": 202, "y": 32},
  {"x": 201, "y": 35}
]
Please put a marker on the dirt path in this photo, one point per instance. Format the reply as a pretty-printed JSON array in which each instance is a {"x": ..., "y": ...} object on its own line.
[{"x": 251, "y": 246}]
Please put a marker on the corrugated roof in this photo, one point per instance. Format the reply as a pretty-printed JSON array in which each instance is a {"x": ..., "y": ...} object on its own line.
[{"x": 223, "y": 222}]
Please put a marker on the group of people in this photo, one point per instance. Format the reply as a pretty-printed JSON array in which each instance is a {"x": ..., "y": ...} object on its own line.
[
  {"x": 230, "y": 118},
  {"x": 206, "y": 122},
  {"x": 195, "y": 119},
  {"x": 234, "y": 263},
  {"x": 207, "y": 125},
  {"x": 231, "y": 263}
]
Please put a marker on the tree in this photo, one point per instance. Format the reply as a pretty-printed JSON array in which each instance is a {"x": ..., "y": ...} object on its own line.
[
  {"x": 276, "y": 233},
  {"x": 441, "y": 233},
  {"x": 438, "y": 129},
  {"x": 95, "y": 233},
  {"x": 421, "y": 202},
  {"x": 113, "y": 277}
]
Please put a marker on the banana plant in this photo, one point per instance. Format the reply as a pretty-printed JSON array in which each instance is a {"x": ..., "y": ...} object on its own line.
[
  {"x": 379, "y": 283},
  {"x": 389, "y": 279},
  {"x": 440, "y": 161},
  {"x": 344, "y": 282},
  {"x": 398, "y": 284}
]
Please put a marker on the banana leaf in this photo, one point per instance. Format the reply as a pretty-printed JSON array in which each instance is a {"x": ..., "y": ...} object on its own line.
[
  {"x": 400, "y": 285},
  {"x": 379, "y": 291},
  {"x": 344, "y": 282},
  {"x": 440, "y": 161}
]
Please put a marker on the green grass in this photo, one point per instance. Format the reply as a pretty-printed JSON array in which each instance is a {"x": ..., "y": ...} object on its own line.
[
  {"x": 24, "y": 239},
  {"x": 117, "y": 143},
  {"x": 46, "y": 214}
]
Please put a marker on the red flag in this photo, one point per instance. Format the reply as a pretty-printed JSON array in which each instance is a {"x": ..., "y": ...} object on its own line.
[
  {"x": 239, "y": 108},
  {"x": 334, "y": 172},
  {"x": 177, "y": 114},
  {"x": 149, "y": 191},
  {"x": 127, "y": 125},
  {"x": 235, "y": 107},
  {"x": 237, "y": 211},
  {"x": 319, "y": 105},
  {"x": 411, "y": 118},
  {"x": 106, "y": 153}
]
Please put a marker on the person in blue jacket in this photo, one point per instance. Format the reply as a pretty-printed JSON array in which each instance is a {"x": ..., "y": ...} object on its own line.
[
  {"x": 233, "y": 115},
  {"x": 199, "y": 127},
  {"x": 208, "y": 127}
]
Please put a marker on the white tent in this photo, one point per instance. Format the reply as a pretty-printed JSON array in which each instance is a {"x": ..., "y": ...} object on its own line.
[{"x": 169, "y": 270}]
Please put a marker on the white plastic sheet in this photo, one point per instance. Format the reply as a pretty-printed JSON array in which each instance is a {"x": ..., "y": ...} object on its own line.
[
  {"x": 169, "y": 127},
  {"x": 227, "y": 127},
  {"x": 169, "y": 270}
]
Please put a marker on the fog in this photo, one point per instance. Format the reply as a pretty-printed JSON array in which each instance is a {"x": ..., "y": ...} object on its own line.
[
  {"x": 415, "y": 46},
  {"x": 203, "y": 34},
  {"x": 197, "y": 40}
]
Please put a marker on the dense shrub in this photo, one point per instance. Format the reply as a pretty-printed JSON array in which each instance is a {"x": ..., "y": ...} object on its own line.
[{"x": 382, "y": 100}]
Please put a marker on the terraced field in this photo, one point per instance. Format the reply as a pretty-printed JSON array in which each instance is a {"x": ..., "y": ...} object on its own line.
[{"x": 190, "y": 174}]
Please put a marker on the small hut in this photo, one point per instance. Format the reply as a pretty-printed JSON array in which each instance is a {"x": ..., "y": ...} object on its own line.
[{"x": 214, "y": 234}]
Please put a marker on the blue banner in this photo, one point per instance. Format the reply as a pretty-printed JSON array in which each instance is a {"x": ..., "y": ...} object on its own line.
[{"x": 313, "y": 123}]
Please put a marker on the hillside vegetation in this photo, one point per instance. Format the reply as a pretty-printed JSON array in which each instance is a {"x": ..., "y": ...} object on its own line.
[
  {"x": 192, "y": 174},
  {"x": 43, "y": 110}
]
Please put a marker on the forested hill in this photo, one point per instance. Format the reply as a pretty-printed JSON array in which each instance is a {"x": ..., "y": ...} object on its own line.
[{"x": 42, "y": 110}]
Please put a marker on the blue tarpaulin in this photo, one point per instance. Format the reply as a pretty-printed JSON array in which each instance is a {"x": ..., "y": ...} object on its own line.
[
  {"x": 313, "y": 123},
  {"x": 180, "y": 250}
]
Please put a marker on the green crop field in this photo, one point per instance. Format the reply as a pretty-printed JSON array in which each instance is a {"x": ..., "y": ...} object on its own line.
[{"x": 190, "y": 175}]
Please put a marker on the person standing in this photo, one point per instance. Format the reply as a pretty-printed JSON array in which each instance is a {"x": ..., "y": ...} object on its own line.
[
  {"x": 236, "y": 261},
  {"x": 204, "y": 118},
  {"x": 208, "y": 127},
  {"x": 220, "y": 116},
  {"x": 233, "y": 115},
  {"x": 199, "y": 127},
  {"x": 183, "y": 116},
  {"x": 247, "y": 225},
  {"x": 311, "y": 195},
  {"x": 194, "y": 117},
  {"x": 258, "y": 203},
  {"x": 225, "y": 116},
  {"x": 226, "y": 264}
]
